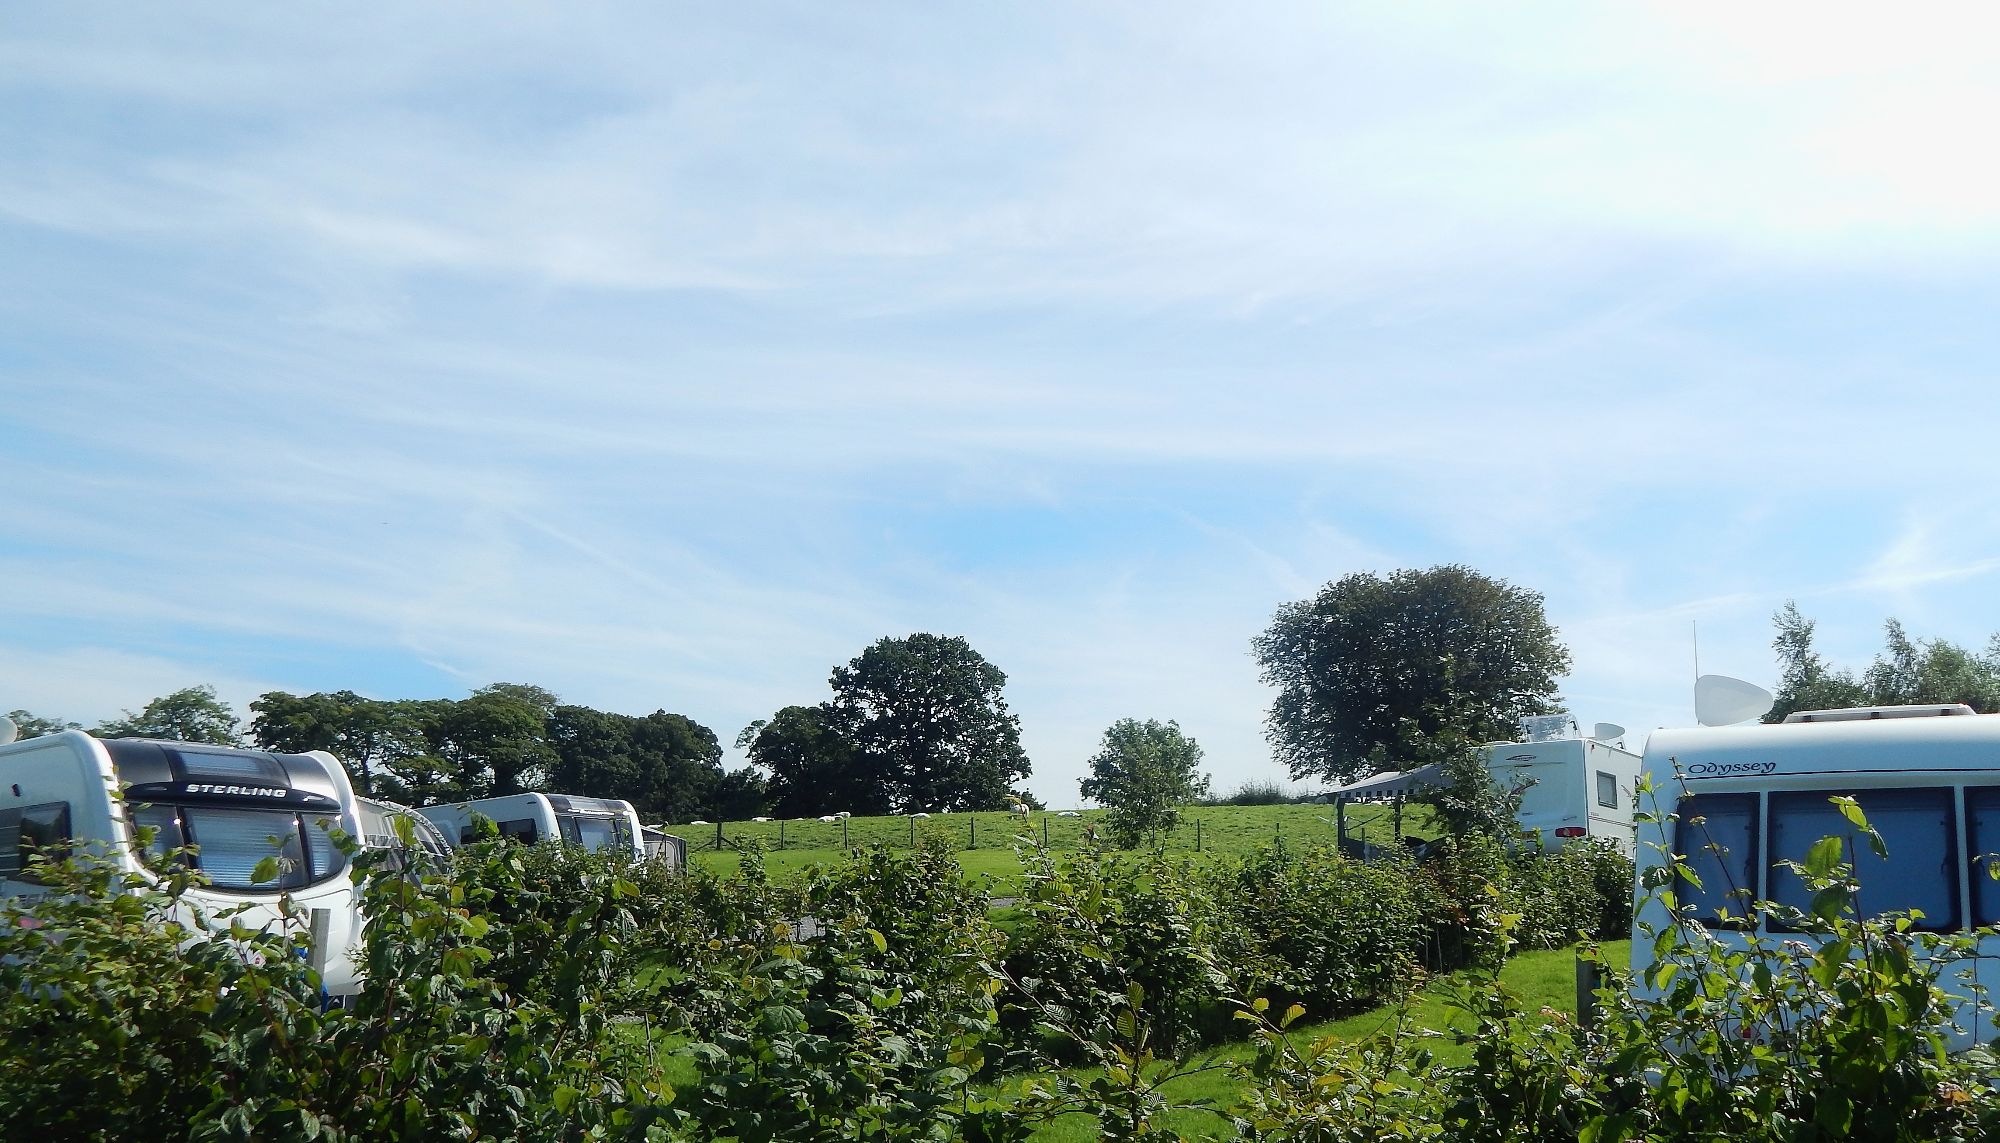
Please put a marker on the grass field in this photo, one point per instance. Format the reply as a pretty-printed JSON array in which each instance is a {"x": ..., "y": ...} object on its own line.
[{"x": 986, "y": 841}]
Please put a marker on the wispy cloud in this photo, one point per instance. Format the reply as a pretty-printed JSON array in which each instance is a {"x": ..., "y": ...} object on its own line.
[{"x": 669, "y": 359}]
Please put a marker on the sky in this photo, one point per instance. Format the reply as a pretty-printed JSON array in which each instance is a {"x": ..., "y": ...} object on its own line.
[{"x": 666, "y": 356}]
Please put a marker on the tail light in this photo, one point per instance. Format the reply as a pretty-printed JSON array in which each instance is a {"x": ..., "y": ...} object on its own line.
[{"x": 1569, "y": 832}]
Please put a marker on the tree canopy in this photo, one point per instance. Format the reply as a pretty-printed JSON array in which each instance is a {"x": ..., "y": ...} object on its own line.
[
  {"x": 507, "y": 738},
  {"x": 34, "y": 726},
  {"x": 1906, "y": 672},
  {"x": 191, "y": 714},
  {"x": 926, "y": 716},
  {"x": 1142, "y": 773},
  {"x": 1373, "y": 666}
]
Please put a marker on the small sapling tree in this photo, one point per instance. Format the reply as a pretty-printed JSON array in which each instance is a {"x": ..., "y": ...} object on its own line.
[{"x": 1142, "y": 773}]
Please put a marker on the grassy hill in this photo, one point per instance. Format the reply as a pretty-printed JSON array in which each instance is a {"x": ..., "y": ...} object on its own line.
[{"x": 986, "y": 840}]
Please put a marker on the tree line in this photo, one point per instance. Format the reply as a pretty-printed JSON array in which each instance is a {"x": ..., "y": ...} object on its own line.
[
  {"x": 1373, "y": 672},
  {"x": 507, "y": 738}
]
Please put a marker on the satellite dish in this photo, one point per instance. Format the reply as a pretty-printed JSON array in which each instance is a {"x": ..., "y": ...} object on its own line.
[
  {"x": 1720, "y": 700},
  {"x": 1606, "y": 731},
  {"x": 8, "y": 731}
]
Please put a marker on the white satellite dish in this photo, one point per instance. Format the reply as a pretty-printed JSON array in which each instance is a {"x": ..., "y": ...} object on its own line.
[
  {"x": 1720, "y": 700},
  {"x": 1606, "y": 731},
  {"x": 8, "y": 731}
]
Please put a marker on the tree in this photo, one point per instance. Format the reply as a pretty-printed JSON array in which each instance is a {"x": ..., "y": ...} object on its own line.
[
  {"x": 1466, "y": 797},
  {"x": 814, "y": 769},
  {"x": 926, "y": 715},
  {"x": 1907, "y": 672},
  {"x": 1372, "y": 666},
  {"x": 191, "y": 714},
  {"x": 365, "y": 734},
  {"x": 1142, "y": 772},
  {"x": 737, "y": 796},
  {"x": 32, "y": 726},
  {"x": 666, "y": 765}
]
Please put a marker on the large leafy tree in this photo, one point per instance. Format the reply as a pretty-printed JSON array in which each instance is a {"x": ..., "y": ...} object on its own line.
[
  {"x": 191, "y": 714},
  {"x": 1142, "y": 773},
  {"x": 814, "y": 768},
  {"x": 1907, "y": 671},
  {"x": 1374, "y": 666},
  {"x": 926, "y": 714},
  {"x": 365, "y": 734}
]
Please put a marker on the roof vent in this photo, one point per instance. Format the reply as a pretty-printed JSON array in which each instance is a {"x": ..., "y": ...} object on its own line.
[{"x": 1865, "y": 713}]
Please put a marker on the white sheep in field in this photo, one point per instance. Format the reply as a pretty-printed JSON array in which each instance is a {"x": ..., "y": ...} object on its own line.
[{"x": 829, "y": 819}]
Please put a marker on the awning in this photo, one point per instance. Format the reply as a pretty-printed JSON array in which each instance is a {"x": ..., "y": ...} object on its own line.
[{"x": 1386, "y": 786}]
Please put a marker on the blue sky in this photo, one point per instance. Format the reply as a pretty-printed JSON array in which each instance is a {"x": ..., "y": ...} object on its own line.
[{"x": 666, "y": 357}]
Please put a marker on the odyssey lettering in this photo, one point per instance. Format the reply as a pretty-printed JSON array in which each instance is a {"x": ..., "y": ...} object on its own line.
[{"x": 1726, "y": 769}]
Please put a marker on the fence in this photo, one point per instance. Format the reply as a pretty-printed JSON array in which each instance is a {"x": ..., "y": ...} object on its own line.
[{"x": 1201, "y": 829}]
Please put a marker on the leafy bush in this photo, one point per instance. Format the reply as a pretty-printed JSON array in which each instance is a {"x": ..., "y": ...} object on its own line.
[
  {"x": 1583, "y": 888},
  {"x": 1097, "y": 932},
  {"x": 126, "y": 1019},
  {"x": 1316, "y": 928},
  {"x": 873, "y": 1028},
  {"x": 1838, "y": 1033},
  {"x": 1255, "y": 793}
]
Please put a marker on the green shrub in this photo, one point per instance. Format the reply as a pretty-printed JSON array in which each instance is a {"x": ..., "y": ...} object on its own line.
[
  {"x": 1312, "y": 927},
  {"x": 1583, "y": 888},
  {"x": 1093, "y": 932}
]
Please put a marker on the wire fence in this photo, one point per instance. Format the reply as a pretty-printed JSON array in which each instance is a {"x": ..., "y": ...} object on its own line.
[{"x": 1201, "y": 829}]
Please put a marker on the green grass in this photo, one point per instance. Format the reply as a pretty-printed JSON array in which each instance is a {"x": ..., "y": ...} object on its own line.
[{"x": 986, "y": 841}]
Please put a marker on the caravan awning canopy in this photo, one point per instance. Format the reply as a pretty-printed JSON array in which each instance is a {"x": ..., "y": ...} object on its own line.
[{"x": 1386, "y": 786}]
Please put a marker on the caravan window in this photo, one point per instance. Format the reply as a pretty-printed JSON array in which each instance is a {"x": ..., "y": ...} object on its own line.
[
  {"x": 518, "y": 829},
  {"x": 230, "y": 842},
  {"x": 1716, "y": 837},
  {"x": 27, "y": 832},
  {"x": 1607, "y": 790},
  {"x": 1918, "y": 828},
  {"x": 1982, "y": 837},
  {"x": 592, "y": 833}
]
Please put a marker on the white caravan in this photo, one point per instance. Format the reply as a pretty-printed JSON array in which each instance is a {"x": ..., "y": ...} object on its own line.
[
  {"x": 594, "y": 823},
  {"x": 378, "y": 831},
  {"x": 1570, "y": 786},
  {"x": 70, "y": 792},
  {"x": 1746, "y": 799}
]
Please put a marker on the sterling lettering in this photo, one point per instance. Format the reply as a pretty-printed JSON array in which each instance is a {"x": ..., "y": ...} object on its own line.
[
  {"x": 1727, "y": 769},
  {"x": 245, "y": 791}
]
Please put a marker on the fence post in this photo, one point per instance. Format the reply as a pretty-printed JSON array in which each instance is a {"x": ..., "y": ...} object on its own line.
[
  {"x": 973, "y": 824},
  {"x": 1588, "y": 979},
  {"x": 718, "y": 833},
  {"x": 1045, "y": 830},
  {"x": 843, "y": 834},
  {"x": 913, "y": 831},
  {"x": 781, "y": 833},
  {"x": 1197, "y": 835}
]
